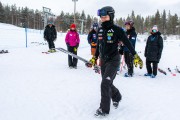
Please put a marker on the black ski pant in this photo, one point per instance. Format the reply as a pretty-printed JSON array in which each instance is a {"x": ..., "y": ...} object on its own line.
[
  {"x": 108, "y": 90},
  {"x": 129, "y": 61},
  {"x": 51, "y": 44},
  {"x": 72, "y": 61},
  {"x": 151, "y": 69}
]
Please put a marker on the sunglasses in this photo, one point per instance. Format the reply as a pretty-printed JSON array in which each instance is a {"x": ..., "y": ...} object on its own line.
[
  {"x": 127, "y": 23},
  {"x": 154, "y": 31}
]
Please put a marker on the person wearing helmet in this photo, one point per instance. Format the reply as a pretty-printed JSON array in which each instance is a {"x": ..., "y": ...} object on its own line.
[
  {"x": 153, "y": 51},
  {"x": 131, "y": 34},
  {"x": 109, "y": 36},
  {"x": 92, "y": 38},
  {"x": 50, "y": 36},
  {"x": 72, "y": 41}
]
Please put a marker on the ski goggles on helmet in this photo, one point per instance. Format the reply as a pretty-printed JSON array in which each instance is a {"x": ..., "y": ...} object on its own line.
[
  {"x": 131, "y": 23},
  {"x": 127, "y": 23},
  {"x": 102, "y": 12}
]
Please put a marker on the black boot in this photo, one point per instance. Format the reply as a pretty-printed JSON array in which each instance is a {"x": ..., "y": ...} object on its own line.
[
  {"x": 100, "y": 113},
  {"x": 115, "y": 104}
]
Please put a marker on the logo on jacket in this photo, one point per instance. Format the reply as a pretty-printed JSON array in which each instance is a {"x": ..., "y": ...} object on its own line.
[
  {"x": 111, "y": 30},
  {"x": 72, "y": 34},
  {"x": 94, "y": 36},
  {"x": 109, "y": 36},
  {"x": 101, "y": 30}
]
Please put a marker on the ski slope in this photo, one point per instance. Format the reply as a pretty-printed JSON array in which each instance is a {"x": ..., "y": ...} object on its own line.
[{"x": 36, "y": 86}]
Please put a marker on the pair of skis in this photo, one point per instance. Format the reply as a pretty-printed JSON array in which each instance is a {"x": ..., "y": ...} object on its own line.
[
  {"x": 4, "y": 51},
  {"x": 96, "y": 68},
  {"x": 172, "y": 73}
]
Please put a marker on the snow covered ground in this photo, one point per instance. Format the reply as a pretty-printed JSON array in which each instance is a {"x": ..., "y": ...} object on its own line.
[{"x": 36, "y": 86}]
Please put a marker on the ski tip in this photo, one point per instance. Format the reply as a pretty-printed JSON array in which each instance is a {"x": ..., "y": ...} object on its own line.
[{"x": 174, "y": 74}]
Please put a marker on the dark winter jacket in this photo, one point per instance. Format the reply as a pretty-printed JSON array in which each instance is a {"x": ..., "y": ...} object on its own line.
[
  {"x": 92, "y": 36},
  {"x": 154, "y": 47},
  {"x": 132, "y": 37},
  {"x": 50, "y": 33},
  {"x": 109, "y": 35}
]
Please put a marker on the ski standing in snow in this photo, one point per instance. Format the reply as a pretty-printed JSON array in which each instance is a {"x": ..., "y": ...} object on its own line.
[
  {"x": 109, "y": 36},
  {"x": 153, "y": 51},
  {"x": 72, "y": 41},
  {"x": 177, "y": 69},
  {"x": 50, "y": 35}
]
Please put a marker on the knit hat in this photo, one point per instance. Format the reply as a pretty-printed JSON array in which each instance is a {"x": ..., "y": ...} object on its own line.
[
  {"x": 155, "y": 28},
  {"x": 73, "y": 26}
]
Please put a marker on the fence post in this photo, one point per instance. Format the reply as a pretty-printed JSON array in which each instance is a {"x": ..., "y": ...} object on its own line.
[{"x": 26, "y": 35}]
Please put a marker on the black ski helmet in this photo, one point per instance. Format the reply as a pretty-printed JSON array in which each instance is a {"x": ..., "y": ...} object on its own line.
[
  {"x": 129, "y": 22},
  {"x": 107, "y": 10}
]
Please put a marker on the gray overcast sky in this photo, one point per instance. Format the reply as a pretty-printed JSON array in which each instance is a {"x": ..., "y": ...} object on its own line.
[{"x": 122, "y": 7}]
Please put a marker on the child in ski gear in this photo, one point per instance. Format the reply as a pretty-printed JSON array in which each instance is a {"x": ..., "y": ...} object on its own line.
[
  {"x": 131, "y": 34},
  {"x": 109, "y": 35},
  {"x": 153, "y": 51},
  {"x": 50, "y": 36},
  {"x": 92, "y": 38},
  {"x": 72, "y": 41}
]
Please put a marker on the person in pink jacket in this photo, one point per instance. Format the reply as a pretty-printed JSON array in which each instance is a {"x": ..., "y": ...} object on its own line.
[{"x": 72, "y": 41}]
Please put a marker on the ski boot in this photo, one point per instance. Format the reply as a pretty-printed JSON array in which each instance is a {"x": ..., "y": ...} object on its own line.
[
  {"x": 50, "y": 50},
  {"x": 115, "y": 104},
  {"x": 70, "y": 67},
  {"x": 127, "y": 75},
  {"x": 53, "y": 50},
  {"x": 75, "y": 67},
  {"x": 152, "y": 76},
  {"x": 147, "y": 74},
  {"x": 100, "y": 113}
]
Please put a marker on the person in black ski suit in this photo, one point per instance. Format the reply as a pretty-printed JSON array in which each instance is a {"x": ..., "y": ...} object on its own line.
[
  {"x": 109, "y": 36},
  {"x": 153, "y": 51},
  {"x": 131, "y": 34},
  {"x": 50, "y": 36},
  {"x": 92, "y": 38}
]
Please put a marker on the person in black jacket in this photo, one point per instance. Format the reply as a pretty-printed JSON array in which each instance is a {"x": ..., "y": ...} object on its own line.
[
  {"x": 131, "y": 34},
  {"x": 92, "y": 38},
  {"x": 109, "y": 36},
  {"x": 153, "y": 51},
  {"x": 50, "y": 36}
]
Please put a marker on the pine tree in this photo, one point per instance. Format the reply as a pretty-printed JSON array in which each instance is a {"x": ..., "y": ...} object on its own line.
[
  {"x": 169, "y": 24},
  {"x": 2, "y": 13},
  {"x": 157, "y": 18},
  {"x": 147, "y": 24},
  {"x": 88, "y": 23},
  {"x": 174, "y": 24},
  {"x": 163, "y": 22}
]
